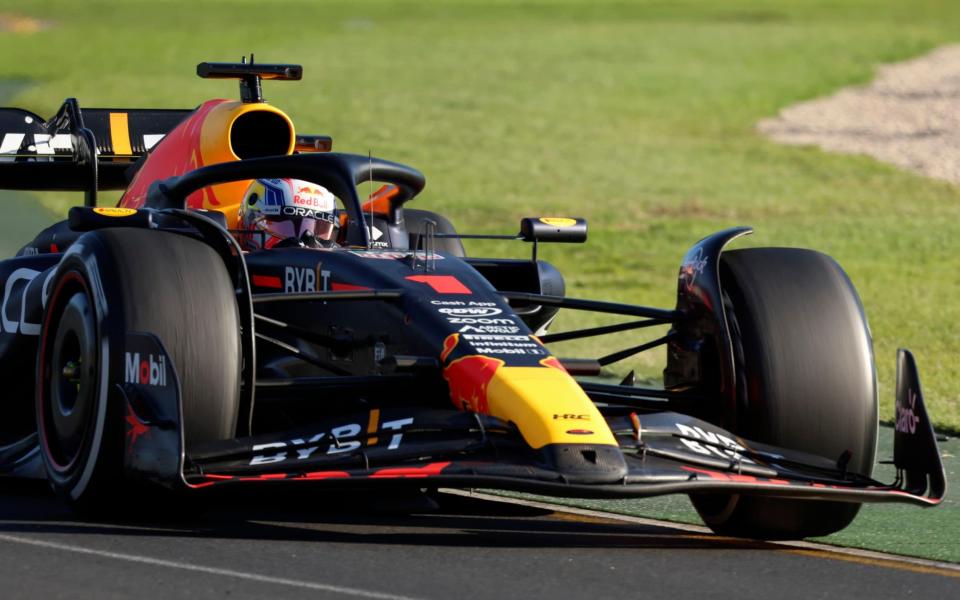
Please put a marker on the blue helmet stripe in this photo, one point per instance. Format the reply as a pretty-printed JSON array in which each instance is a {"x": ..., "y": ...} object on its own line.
[{"x": 273, "y": 193}]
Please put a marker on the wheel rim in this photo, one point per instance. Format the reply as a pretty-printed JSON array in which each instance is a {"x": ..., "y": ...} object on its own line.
[{"x": 68, "y": 384}]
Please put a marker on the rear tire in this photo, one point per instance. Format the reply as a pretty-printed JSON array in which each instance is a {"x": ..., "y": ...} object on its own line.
[
  {"x": 805, "y": 380},
  {"x": 115, "y": 281},
  {"x": 415, "y": 222}
]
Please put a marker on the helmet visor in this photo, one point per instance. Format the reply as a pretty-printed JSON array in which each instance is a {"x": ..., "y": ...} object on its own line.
[{"x": 279, "y": 228}]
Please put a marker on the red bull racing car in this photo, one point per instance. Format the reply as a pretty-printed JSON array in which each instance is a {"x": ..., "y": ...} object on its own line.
[{"x": 143, "y": 344}]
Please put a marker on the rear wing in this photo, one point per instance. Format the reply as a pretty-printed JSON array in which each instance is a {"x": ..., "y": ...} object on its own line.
[
  {"x": 78, "y": 150},
  {"x": 101, "y": 148}
]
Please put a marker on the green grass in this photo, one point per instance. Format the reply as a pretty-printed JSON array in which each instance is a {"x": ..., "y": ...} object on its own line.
[{"x": 639, "y": 116}]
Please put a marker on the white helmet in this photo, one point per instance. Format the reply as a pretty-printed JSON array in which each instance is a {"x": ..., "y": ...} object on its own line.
[{"x": 275, "y": 210}]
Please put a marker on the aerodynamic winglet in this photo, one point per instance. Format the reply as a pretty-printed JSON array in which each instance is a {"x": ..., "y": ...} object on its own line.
[{"x": 915, "y": 451}]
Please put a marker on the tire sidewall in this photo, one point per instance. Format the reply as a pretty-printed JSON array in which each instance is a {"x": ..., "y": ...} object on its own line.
[{"x": 84, "y": 260}]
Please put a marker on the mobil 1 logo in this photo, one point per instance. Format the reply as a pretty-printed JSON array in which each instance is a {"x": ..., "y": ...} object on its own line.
[
  {"x": 150, "y": 391},
  {"x": 145, "y": 362},
  {"x": 505, "y": 344}
]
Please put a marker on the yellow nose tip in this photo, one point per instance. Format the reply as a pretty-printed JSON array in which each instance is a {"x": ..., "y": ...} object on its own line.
[{"x": 548, "y": 406}]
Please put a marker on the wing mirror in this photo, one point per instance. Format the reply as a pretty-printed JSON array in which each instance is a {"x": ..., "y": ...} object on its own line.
[{"x": 553, "y": 229}]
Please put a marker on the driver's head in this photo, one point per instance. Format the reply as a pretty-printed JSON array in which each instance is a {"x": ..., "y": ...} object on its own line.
[{"x": 291, "y": 210}]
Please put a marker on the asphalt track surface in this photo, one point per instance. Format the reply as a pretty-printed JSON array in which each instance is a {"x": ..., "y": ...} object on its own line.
[{"x": 294, "y": 543}]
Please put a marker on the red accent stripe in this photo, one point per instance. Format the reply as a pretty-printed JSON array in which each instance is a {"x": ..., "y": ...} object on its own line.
[
  {"x": 442, "y": 284},
  {"x": 268, "y": 281},
  {"x": 348, "y": 287},
  {"x": 326, "y": 475},
  {"x": 710, "y": 474},
  {"x": 410, "y": 472},
  {"x": 68, "y": 277},
  {"x": 265, "y": 477},
  {"x": 196, "y": 486}
]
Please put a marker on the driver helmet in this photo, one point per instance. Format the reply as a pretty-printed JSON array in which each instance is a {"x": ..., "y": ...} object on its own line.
[{"x": 291, "y": 211}]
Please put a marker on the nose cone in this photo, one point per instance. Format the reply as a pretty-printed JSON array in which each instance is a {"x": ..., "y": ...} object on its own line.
[
  {"x": 585, "y": 463},
  {"x": 547, "y": 405},
  {"x": 554, "y": 416}
]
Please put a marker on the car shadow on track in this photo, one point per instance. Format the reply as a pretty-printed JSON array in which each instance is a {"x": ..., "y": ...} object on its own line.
[{"x": 334, "y": 517}]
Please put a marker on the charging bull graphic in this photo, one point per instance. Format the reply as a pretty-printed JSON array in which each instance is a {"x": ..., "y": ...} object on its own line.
[{"x": 468, "y": 378}]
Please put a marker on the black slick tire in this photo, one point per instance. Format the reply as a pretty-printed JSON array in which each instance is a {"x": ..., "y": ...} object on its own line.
[
  {"x": 805, "y": 380},
  {"x": 115, "y": 281}
]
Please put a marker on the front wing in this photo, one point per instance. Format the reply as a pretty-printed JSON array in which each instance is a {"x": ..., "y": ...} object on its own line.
[
  {"x": 668, "y": 460},
  {"x": 665, "y": 453}
]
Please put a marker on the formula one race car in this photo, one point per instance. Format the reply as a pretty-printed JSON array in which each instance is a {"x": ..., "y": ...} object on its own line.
[{"x": 142, "y": 344}]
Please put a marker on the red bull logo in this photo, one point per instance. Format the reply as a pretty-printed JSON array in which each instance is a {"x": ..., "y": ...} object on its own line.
[
  {"x": 468, "y": 378},
  {"x": 309, "y": 190},
  {"x": 313, "y": 197}
]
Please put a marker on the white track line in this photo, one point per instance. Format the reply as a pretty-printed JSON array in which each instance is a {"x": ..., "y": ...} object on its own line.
[
  {"x": 157, "y": 562},
  {"x": 855, "y": 552}
]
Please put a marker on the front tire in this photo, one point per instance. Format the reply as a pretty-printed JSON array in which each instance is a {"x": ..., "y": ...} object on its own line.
[
  {"x": 109, "y": 283},
  {"x": 806, "y": 380}
]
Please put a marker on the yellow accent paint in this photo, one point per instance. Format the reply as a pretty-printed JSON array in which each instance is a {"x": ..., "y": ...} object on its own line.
[
  {"x": 530, "y": 397},
  {"x": 891, "y": 563},
  {"x": 372, "y": 426},
  {"x": 215, "y": 134},
  {"x": 215, "y": 148},
  {"x": 120, "y": 134},
  {"x": 108, "y": 211},
  {"x": 558, "y": 221},
  {"x": 578, "y": 518}
]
